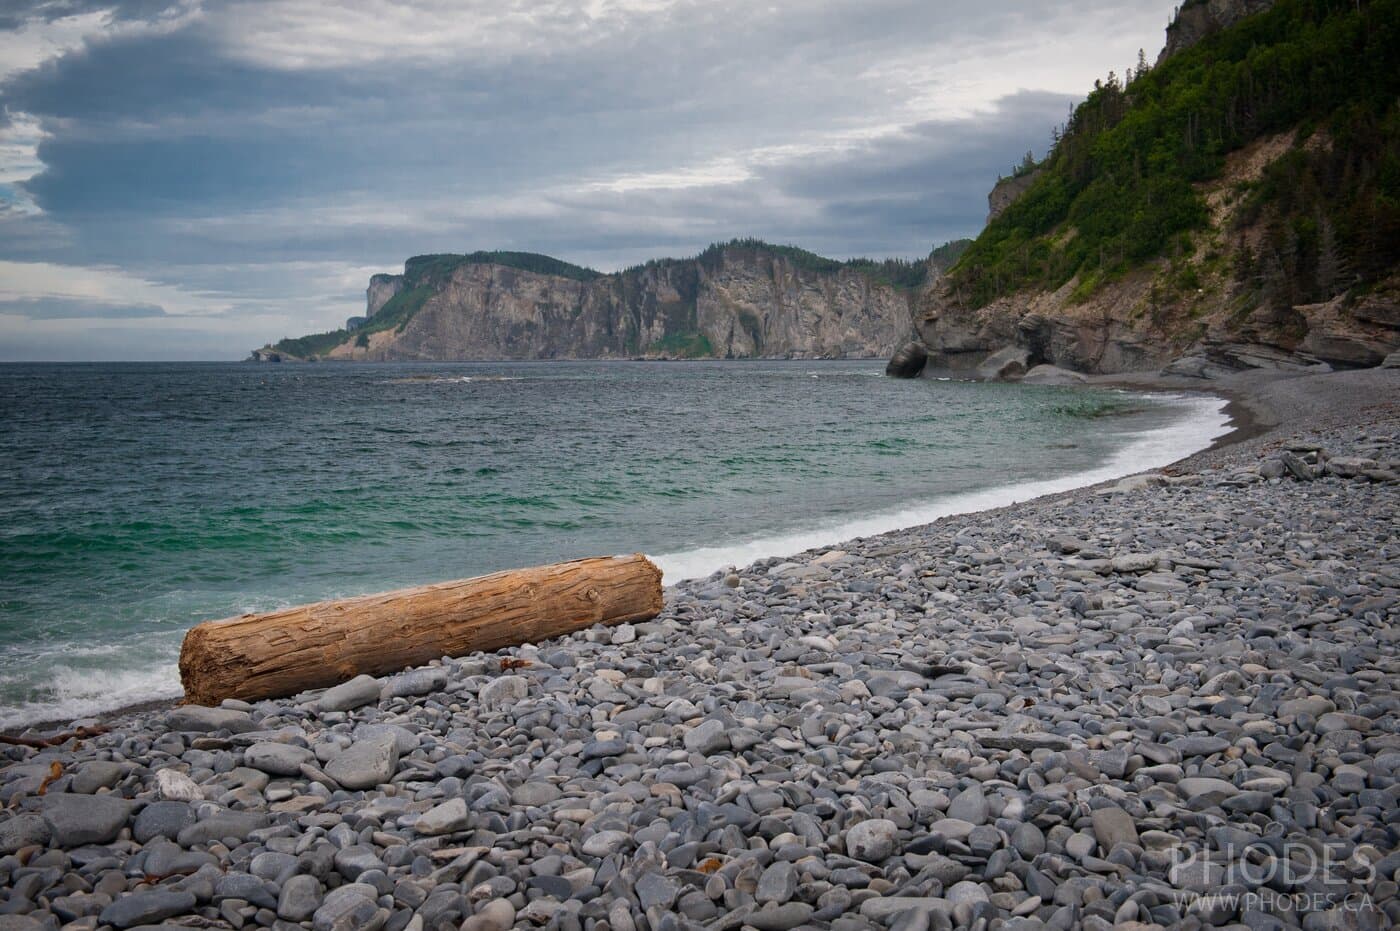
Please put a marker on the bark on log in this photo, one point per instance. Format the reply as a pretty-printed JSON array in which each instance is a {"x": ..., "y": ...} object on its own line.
[{"x": 281, "y": 653}]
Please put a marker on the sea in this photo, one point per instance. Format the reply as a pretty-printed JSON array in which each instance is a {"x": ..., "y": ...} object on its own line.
[{"x": 137, "y": 500}]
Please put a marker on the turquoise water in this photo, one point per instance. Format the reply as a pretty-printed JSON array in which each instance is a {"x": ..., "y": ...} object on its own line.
[{"x": 140, "y": 499}]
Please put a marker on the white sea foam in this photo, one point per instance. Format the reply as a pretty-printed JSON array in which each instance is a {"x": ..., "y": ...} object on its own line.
[
  {"x": 1204, "y": 420},
  {"x": 76, "y": 693}
]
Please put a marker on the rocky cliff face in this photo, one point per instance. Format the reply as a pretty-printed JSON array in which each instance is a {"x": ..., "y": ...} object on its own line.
[
  {"x": 382, "y": 289},
  {"x": 1006, "y": 190},
  {"x": 1197, "y": 19},
  {"x": 1190, "y": 315},
  {"x": 731, "y": 303}
]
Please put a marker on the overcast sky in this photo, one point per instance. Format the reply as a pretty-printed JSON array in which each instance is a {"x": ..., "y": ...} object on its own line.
[{"x": 188, "y": 180}]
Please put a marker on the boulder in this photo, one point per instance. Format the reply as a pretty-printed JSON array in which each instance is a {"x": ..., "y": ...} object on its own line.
[
  {"x": 1052, "y": 375},
  {"x": 79, "y": 820},
  {"x": 1006, "y": 364},
  {"x": 908, "y": 361},
  {"x": 365, "y": 763}
]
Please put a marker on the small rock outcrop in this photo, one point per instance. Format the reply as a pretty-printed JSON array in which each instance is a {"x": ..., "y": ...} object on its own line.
[{"x": 908, "y": 361}]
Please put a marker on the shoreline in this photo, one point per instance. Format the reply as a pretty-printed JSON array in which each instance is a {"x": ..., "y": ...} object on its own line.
[
  {"x": 1096, "y": 708},
  {"x": 1242, "y": 423}
]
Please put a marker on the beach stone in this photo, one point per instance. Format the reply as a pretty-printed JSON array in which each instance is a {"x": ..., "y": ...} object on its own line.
[
  {"x": 99, "y": 774},
  {"x": 966, "y": 892},
  {"x": 1028, "y": 840},
  {"x": 139, "y": 908},
  {"x": 495, "y": 915},
  {"x": 173, "y": 785},
  {"x": 777, "y": 884},
  {"x": 605, "y": 842},
  {"x": 77, "y": 820},
  {"x": 299, "y": 899},
  {"x": 503, "y": 691},
  {"x": 1113, "y": 826},
  {"x": 707, "y": 738},
  {"x": 246, "y": 888},
  {"x": 656, "y": 891},
  {"x": 450, "y": 816},
  {"x": 537, "y": 794},
  {"x": 355, "y": 911},
  {"x": 20, "y": 923},
  {"x": 200, "y": 719},
  {"x": 161, "y": 819},
  {"x": 351, "y": 861},
  {"x": 24, "y": 830},
  {"x": 365, "y": 763},
  {"x": 871, "y": 841},
  {"x": 347, "y": 696},
  {"x": 416, "y": 682},
  {"x": 277, "y": 759},
  {"x": 779, "y": 917},
  {"x": 224, "y": 824},
  {"x": 969, "y": 805},
  {"x": 1199, "y": 745},
  {"x": 1194, "y": 786}
]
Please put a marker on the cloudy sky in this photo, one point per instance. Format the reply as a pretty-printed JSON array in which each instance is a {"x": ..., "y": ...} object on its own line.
[{"x": 190, "y": 179}]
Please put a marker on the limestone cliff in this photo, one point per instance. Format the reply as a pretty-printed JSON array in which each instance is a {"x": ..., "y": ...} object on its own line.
[
  {"x": 1200, "y": 235},
  {"x": 740, "y": 300}
]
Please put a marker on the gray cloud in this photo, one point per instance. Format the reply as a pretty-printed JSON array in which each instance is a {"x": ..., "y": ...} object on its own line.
[
  {"x": 254, "y": 154},
  {"x": 70, "y": 308}
]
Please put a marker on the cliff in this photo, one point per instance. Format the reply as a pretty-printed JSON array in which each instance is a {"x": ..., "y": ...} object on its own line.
[
  {"x": 1254, "y": 226},
  {"x": 743, "y": 299}
]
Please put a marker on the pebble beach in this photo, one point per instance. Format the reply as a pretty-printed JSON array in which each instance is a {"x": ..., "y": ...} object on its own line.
[{"x": 1166, "y": 702}]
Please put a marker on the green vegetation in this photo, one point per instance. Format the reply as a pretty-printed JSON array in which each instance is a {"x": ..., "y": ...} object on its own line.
[
  {"x": 1117, "y": 186},
  {"x": 431, "y": 269},
  {"x": 684, "y": 346}
]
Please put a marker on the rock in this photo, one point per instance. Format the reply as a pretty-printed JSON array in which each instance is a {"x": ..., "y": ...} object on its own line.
[
  {"x": 173, "y": 785},
  {"x": 623, "y": 634},
  {"x": 199, "y": 719},
  {"x": 777, "y": 884},
  {"x": 908, "y": 361},
  {"x": 162, "y": 819},
  {"x": 216, "y": 827},
  {"x": 351, "y": 861},
  {"x": 365, "y": 763},
  {"x": 1113, "y": 826},
  {"x": 1006, "y": 364},
  {"x": 1297, "y": 467},
  {"x": 358, "y": 692},
  {"x": 1136, "y": 562},
  {"x": 299, "y": 899},
  {"x": 537, "y": 794},
  {"x": 415, "y": 682},
  {"x": 656, "y": 891},
  {"x": 99, "y": 774},
  {"x": 349, "y": 912},
  {"x": 707, "y": 737},
  {"x": 967, "y": 892},
  {"x": 277, "y": 759},
  {"x": 779, "y": 917},
  {"x": 24, "y": 830},
  {"x": 139, "y": 908},
  {"x": 871, "y": 841},
  {"x": 1052, "y": 375},
  {"x": 78, "y": 820},
  {"x": 496, "y": 915},
  {"x": 502, "y": 692},
  {"x": 446, "y": 818},
  {"x": 605, "y": 842},
  {"x": 969, "y": 805}
]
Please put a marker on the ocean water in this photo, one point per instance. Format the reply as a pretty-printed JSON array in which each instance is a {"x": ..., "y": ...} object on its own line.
[{"x": 139, "y": 499}]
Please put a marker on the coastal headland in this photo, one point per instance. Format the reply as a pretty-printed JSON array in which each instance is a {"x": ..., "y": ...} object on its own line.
[{"x": 1166, "y": 702}]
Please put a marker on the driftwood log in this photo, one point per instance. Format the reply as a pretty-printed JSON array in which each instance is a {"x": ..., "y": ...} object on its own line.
[{"x": 283, "y": 652}]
